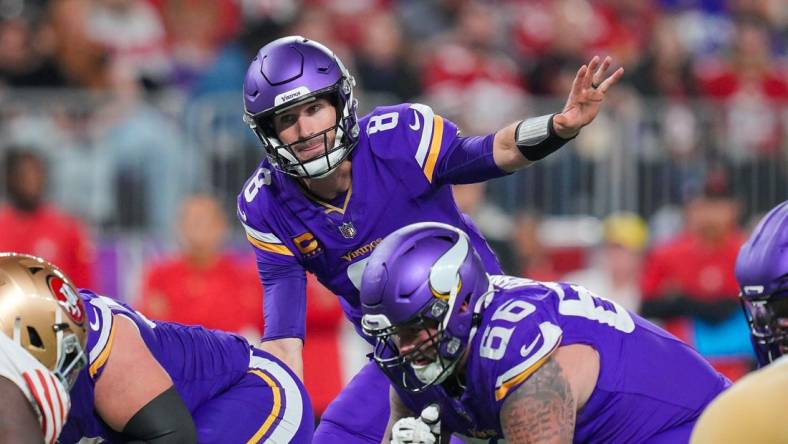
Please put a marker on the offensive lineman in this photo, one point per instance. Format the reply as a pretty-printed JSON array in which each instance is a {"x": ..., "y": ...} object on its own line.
[
  {"x": 332, "y": 186},
  {"x": 518, "y": 360},
  {"x": 135, "y": 380}
]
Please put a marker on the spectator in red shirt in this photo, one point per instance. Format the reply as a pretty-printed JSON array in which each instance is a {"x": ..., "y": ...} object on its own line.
[
  {"x": 29, "y": 224},
  {"x": 692, "y": 274},
  {"x": 689, "y": 285},
  {"x": 203, "y": 284}
]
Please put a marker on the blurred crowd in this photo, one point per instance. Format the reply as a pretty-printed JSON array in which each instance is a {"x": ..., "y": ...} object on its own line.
[
  {"x": 125, "y": 114},
  {"x": 406, "y": 48}
]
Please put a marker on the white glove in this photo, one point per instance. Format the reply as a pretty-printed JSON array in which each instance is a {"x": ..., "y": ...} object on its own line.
[
  {"x": 411, "y": 431},
  {"x": 431, "y": 416}
]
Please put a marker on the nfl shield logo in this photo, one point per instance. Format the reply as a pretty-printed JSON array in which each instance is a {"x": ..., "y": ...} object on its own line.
[{"x": 348, "y": 230}]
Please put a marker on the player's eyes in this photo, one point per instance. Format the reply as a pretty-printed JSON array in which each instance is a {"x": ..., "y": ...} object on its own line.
[
  {"x": 284, "y": 121},
  {"x": 315, "y": 108}
]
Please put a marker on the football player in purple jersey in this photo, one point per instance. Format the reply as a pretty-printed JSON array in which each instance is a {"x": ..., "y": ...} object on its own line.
[
  {"x": 332, "y": 185},
  {"x": 506, "y": 358},
  {"x": 753, "y": 410},
  {"x": 149, "y": 381}
]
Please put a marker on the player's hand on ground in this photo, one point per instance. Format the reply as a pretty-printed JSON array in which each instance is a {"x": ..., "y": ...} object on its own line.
[
  {"x": 585, "y": 98},
  {"x": 411, "y": 431}
]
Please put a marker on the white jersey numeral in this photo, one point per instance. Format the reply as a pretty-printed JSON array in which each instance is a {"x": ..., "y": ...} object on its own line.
[
  {"x": 261, "y": 177},
  {"x": 573, "y": 300},
  {"x": 382, "y": 122},
  {"x": 496, "y": 339},
  {"x": 592, "y": 307}
]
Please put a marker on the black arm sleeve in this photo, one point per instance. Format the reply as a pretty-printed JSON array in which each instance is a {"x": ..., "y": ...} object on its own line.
[{"x": 164, "y": 420}]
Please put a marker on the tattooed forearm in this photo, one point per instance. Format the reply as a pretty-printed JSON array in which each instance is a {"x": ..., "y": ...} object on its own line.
[{"x": 541, "y": 410}]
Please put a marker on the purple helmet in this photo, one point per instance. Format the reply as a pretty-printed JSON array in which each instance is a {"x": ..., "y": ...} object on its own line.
[
  {"x": 428, "y": 277},
  {"x": 762, "y": 273},
  {"x": 291, "y": 71}
]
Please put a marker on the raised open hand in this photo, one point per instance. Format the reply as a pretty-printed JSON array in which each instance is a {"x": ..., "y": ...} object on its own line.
[{"x": 585, "y": 98}]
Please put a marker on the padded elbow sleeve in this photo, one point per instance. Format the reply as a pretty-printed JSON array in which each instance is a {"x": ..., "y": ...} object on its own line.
[{"x": 164, "y": 420}]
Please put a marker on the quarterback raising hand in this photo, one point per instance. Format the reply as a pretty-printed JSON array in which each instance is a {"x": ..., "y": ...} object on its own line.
[
  {"x": 585, "y": 98},
  {"x": 522, "y": 143},
  {"x": 333, "y": 184}
]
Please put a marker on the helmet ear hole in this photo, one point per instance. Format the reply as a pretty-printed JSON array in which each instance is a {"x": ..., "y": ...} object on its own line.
[{"x": 35, "y": 339}]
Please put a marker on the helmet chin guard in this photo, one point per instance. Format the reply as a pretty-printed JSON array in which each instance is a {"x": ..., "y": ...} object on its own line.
[{"x": 288, "y": 72}]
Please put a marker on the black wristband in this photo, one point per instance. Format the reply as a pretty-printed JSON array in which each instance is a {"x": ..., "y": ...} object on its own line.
[{"x": 536, "y": 142}]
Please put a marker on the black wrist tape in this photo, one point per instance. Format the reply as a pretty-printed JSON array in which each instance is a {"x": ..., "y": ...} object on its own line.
[{"x": 536, "y": 139}]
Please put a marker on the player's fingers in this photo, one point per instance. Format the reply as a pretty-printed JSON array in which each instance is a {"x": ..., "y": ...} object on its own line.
[
  {"x": 599, "y": 75},
  {"x": 610, "y": 81},
  {"x": 577, "y": 84},
  {"x": 592, "y": 67}
]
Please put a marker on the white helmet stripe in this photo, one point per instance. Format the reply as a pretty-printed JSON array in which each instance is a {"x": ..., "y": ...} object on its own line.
[{"x": 446, "y": 271}]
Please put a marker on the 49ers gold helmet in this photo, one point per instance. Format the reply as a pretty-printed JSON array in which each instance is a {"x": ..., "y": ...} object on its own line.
[{"x": 41, "y": 310}]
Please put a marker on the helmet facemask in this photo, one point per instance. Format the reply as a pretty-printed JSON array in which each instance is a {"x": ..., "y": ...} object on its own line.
[
  {"x": 425, "y": 277},
  {"x": 284, "y": 157},
  {"x": 767, "y": 316},
  {"x": 71, "y": 357},
  {"x": 427, "y": 363},
  {"x": 436, "y": 357}
]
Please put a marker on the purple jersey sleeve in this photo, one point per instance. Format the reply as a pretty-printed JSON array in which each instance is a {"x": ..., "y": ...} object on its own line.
[
  {"x": 102, "y": 331},
  {"x": 469, "y": 160},
  {"x": 284, "y": 296},
  {"x": 516, "y": 339},
  {"x": 430, "y": 146},
  {"x": 283, "y": 277}
]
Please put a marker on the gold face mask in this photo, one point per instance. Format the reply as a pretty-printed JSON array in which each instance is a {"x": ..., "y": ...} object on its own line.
[{"x": 41, "y": 310}]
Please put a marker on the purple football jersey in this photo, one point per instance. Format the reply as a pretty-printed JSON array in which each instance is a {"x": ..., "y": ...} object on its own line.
[
  {"x": 228, "y": 386},
  {"x": 649, "y": 383},
  {"x": 402, "y": 167}
]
